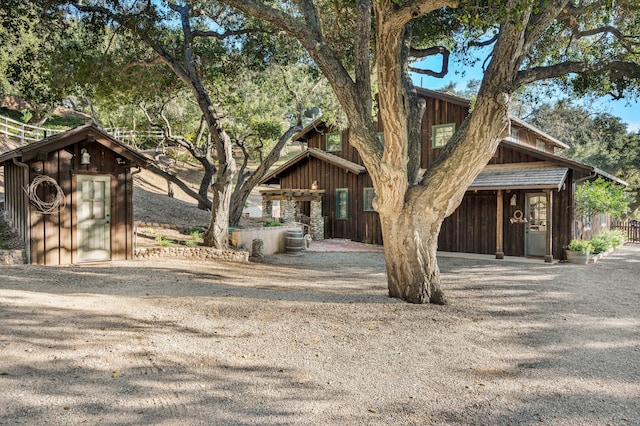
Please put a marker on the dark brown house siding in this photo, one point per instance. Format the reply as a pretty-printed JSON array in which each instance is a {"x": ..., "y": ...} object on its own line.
[{"x": 360, "y": 225}]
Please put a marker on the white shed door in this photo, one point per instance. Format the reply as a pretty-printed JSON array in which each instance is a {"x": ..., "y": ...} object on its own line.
[{"x": 94, "y": 218}]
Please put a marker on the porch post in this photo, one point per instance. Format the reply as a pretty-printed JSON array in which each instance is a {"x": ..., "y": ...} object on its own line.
[
  {"x": 549, "y": 256},
  {"x": 317, "y": 220},
  {"x": 499, "y": 225},
  {"x": 289, "y": 214},
  {"x": 267, "y": 208}
]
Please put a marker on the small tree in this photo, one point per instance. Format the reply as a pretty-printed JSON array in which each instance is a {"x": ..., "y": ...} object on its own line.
[{"x": 599, "y": 197}]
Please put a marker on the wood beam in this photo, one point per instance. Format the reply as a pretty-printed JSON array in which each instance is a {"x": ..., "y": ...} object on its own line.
[
  {"x": 549, "y": 251},
  {"x": 499, "y": 225}
]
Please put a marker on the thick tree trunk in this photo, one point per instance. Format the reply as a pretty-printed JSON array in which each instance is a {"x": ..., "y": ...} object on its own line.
[
  {"x": 205, "y": 184},
  {"x": 217, "y": 235},
  {"x": 410, "y": 245}
]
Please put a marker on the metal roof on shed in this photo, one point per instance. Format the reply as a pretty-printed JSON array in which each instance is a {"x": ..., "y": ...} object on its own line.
[{"x": 538, "y": 175}]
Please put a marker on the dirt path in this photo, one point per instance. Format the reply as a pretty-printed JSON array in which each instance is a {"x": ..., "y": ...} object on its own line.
[{"x": 315, "y": 340}]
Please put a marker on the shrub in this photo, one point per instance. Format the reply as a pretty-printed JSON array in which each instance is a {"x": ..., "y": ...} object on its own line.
[
  {"x": 164, "y": 241},
  {"x": 618, "y": 238},
  {"x": 272, "y": 223},
  {"x": 583, "y": 246},
  {"x": 600, "y": 243}
]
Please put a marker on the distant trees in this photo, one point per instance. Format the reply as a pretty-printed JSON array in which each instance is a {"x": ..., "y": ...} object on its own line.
[{"x": 596, "y": 138}]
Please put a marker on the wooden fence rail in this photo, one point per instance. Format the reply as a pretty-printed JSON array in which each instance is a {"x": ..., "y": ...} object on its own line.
[
  {"x": 25, "y": 133},
  {"x": 631, "y": 228}
]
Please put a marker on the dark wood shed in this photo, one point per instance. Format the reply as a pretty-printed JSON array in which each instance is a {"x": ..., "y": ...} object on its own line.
[{"x": 70, "y": 197}]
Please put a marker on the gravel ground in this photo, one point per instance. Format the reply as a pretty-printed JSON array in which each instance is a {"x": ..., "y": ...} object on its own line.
[{"x": 315, "y": 340}]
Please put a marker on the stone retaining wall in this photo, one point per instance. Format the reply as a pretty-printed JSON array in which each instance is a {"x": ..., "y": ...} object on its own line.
[
  {"x": 13, "y": 257},
  {"x": 203, "y": 253}
]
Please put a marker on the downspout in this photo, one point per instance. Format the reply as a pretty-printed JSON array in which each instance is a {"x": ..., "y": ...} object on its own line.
[{"x": 27, "y": 237}]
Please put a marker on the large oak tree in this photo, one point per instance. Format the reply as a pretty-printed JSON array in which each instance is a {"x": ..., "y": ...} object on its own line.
[
  {"x": 197, "y": 44},
  {"x": 591, "y": 43}
]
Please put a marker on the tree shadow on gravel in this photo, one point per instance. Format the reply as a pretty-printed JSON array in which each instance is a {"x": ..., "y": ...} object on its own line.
[
  {"x": 219, "y": 279},
  {"x": 106, "y": 370}
]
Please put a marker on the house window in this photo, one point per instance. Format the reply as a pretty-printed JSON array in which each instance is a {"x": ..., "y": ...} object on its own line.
[
  {"x": 334, "y": 141},
  {"x": 603, "y": 221},
  {"x": 342, "y": 201},
  {"x": 441, "y": 134},
  {"x": 540, "y": 145},
  {"x": 369, "y": 193},
  {"x": 515, "y": 134},
  {"x": 381, "y": 137}
]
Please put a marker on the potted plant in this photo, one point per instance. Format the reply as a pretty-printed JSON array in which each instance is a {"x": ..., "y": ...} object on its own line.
[{"x": 578, "y": 251}]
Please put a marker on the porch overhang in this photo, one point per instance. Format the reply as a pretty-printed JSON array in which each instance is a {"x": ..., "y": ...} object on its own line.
[{"x": 534, "y": 176}]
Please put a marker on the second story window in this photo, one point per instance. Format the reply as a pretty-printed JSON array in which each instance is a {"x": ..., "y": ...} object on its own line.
[
  {"x": 515, "y": 134},
  {"x": 333, "y": 141},
  {"x": 441, "y": 134}
]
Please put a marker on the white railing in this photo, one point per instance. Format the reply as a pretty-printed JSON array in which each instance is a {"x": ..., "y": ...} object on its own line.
[
  {"x": 132, "y": 137},
  {"x": 25, "y": 133}
]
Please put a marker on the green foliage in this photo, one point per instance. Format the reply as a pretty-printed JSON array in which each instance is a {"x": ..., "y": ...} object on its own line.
[
  {"x": 601, "y": 197},
  {"x": 164, "y": 241},
  {"x": 195, "y": 238},
  {"x": 600, "y": 243},
  {"x": 583, "y": 246},
  {"x": 272, "y": 223}
]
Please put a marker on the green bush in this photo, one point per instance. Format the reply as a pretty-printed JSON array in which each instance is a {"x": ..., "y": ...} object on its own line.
[
  {"x": 164, "y": 241},
  {"x": 600, "y": 243},
  {"x": 583, "y": 246},
  {"x": 272, "y": 223},
  {"x": 618, "y": 238}
]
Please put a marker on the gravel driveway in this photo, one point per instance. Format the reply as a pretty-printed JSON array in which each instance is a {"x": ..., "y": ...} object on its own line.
[{"x": 315, "y": 340}]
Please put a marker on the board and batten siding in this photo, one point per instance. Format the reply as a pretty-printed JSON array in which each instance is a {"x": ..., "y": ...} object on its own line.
[
  {"x": 16, "y": 200},
  {"x": 52, "y": 238},
  {"x": 360, "y": 225}
]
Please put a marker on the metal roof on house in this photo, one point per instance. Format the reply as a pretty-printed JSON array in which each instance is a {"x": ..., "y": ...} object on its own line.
[
  {"x": 537, "y": 175},
  {"x": 347, "y": 165}
]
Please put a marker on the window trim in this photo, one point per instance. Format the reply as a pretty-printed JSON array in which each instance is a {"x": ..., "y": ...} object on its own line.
[
  {"x": 346, "y": 210},
  {"x": 434, "y": 131},
  {"x": 368, "y": 207},
  {"x": 329, "y": 136}
]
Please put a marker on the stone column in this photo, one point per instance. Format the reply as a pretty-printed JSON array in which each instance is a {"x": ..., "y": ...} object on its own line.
[
  {"x": 317, "y": 221},
  {"x": 267, "y": 209},
  {"x": 288, "y": 210}
]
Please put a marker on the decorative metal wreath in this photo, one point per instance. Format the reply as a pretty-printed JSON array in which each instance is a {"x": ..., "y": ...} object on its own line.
[{"x": 57, "y": 198}]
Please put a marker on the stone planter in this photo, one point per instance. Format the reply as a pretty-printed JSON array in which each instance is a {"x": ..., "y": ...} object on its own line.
[{"x": 577, "y": 257}]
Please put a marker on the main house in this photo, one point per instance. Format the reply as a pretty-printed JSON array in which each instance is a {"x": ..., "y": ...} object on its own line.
[{"x": 521, "y": 204}]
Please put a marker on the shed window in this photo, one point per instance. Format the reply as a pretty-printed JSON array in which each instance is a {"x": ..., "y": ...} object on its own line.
[
  {"x": 540, "y": 145},
  {"x": 369, "y": 193},
  {"x": 381, "y": 137},
  {"x": 334, "y": 141},
  {"x": 441, "y": 134},
  {"x": 342, "y": 203}
]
